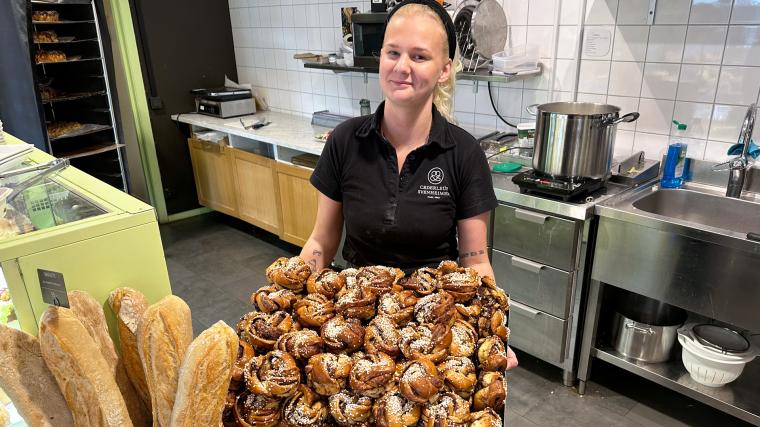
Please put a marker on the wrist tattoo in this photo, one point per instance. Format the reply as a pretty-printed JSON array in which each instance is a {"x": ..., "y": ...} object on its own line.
[
  {"x": 463, "y": 255},
  {"x": 316, "y": 252}
]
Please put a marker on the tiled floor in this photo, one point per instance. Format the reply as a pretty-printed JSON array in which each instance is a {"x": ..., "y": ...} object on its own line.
[{"x": 216, "y": 262}]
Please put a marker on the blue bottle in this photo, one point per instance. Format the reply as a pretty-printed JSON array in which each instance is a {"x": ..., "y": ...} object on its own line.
[{"x": 675, "y": 161}]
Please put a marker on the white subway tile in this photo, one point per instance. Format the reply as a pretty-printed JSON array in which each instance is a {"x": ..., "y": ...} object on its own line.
[
  {"x": 485, "y": 123},
  {"x": 374, "y": 93},
  {"x": 592, "y": 97},
  {"x": 234, "y": 4},
  {"x": 253, "y": 16},
  {"x": 326, "y": 15},
  {"x": 601, "y": 12},
  {"x": 666, "y": 43},
  {"x": 630, "y": 43},
  {"x": 623, "y": 143},
  {"x": 716, "y": 151},
  {"x": 558, "y": 96},
  {"x": 510, "y": 102},
  {"x": 278, "y": 38},
  {"x": 541, "y": 37},
  {"x": 276, "y": 16},
  {"x": 304, "y": 78},
  {"x": 695, "y": 148},
  {"x": 746, "y": 12},
  {"x": 696, "y": 116},
  {"x": 710, "y": 12},
  {"x": 543, "y": 80},
  {"x": 331, "y": 85},
  {"x": 317, "y": 83},
  {"x": 464, "y": 99},
  {"x": 358, "y": 88},
  {"x": 465, "y": 119},
  {"x": 564, "y": 79},
  {"x": 517, "y": 11},
  {"x": 531, "y": 97},
  {"x": 738, "y": 85},
  {"x": 346, "y": 106},
  {"x": 660, "y": 80},
  {"x": 320, "y": 102},
  {"x": 656, "y": 115},
  {"x": 704, "y": 44},
  {"x": 698, "y": 83},
  {"x": 654, "y": 146},
  {"x": 598, "y": 42},
  {"x": 333, "y": 104},
  {"x": 299, "y": 17},
  {"x": 541, "y": 12},
  {"x": 327, "y": 37},
  {"x": 742, "y": 45},
  {"x": 292, "y": 63},
  {"x": 314, "y": 39},
  {"x": 569, "y": 10},
  {"x": 519, "y": 35},
  {"x": 483, "y": 102},
  {"x": 344, "y": 85},
  {"x": 726, "y": 122},
  {"x": 594, "y": 76},
  {"x": 633, "y": 12},
  {"x": 625, "y": 78},
  {"x": 312, "y": 15},
  {"x": 294, "y": 83},
  {"x": 627, "y": 105},
  {"x": 567, "y": 44},
  {"x": 288, "y": 17},
  {"x": 280, "y": 59},
  {"x": 672, "y": 12},
  {"x": 295, "y": 101},
  {"x": 307, "y": 103}
]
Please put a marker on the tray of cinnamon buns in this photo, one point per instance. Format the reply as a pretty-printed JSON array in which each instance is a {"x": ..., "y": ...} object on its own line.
[{"x": 371, "y": 347}]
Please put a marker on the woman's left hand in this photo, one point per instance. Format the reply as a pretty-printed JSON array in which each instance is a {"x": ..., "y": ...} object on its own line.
[{"x": 511, "y": 358}]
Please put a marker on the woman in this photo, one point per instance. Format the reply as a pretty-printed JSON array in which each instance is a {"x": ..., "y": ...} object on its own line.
[{"x": 412, "y": 188}]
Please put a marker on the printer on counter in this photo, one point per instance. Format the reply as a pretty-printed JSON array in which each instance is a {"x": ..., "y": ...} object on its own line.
[{"x": 224, "y": 102}]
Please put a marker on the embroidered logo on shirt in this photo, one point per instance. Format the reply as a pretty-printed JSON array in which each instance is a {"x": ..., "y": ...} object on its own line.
[{"x": 435, "y": 176}]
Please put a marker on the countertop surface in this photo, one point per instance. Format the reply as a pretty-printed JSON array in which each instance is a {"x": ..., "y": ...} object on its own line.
[{"x": 297, "y": 133}]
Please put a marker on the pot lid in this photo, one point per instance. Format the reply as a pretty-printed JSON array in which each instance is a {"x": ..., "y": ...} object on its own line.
[{"x": 721, "y": 338}]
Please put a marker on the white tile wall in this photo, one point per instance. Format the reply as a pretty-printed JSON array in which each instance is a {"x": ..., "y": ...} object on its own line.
[{"x": 698, "y": 63}]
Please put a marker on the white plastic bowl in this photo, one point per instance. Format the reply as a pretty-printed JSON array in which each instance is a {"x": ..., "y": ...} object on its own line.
[{"x": 708, "y": 367}]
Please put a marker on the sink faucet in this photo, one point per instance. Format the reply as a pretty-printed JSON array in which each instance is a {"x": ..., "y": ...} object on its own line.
[{"x": 737, "y": 167}]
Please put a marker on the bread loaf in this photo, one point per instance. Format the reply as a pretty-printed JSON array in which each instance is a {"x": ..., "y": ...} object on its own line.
[
  {"x": 204, "y": 377},
  {"x": 163, "y": 336},
  {"x": 90, "y": 313},
  {"x": 128, "y": 306},
  {"x": 80, "y": 370},
  {"x": 28, "y": 381}
]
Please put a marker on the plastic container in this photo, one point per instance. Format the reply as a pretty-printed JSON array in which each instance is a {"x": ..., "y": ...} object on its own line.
[
  {"x": 708, "y": 366},
  {"x": 518, "y": 58},
  {"x": 674, "y": 171}
]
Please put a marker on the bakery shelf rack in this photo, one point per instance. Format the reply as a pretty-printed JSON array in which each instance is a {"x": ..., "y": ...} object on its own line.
[{"x": 70, "y": 53}]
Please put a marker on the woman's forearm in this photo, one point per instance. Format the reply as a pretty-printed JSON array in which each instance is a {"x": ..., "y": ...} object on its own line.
[{"x": 318, "y": 255}]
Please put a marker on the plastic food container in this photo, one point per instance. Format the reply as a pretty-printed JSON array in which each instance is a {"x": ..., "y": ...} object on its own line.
[
  {"x": 518, "y": 58},
  {"x": 708, "y": 365}
]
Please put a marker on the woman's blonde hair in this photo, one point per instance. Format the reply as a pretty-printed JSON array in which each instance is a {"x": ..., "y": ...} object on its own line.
[{"x": 443, "y": 93}]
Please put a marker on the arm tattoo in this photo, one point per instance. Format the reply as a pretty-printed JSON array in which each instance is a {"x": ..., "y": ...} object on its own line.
[
  {"x": 463, "y": 255},
  {"x": 316, "y": 252}
]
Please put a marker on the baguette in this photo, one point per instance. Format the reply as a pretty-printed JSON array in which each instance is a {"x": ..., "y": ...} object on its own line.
[
  {"x": 204, "y": 377},
  {"x": 90, "y": 313},
  {"x": 164, "y": 333},
  {"x": 28, "y": 381},
  {"x": 129, "y": 305},
  {"x": 81, "y": 371}
]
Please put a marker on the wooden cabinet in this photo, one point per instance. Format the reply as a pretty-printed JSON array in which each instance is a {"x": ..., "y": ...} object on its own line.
[
  {"x": 257, "y": 190},
  {"x": 214, "y": 179},
  {"x": 298, "y": 201}
]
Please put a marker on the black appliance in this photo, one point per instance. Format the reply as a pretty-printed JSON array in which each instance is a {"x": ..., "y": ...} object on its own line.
[
  {"x": 368, "y": 32},
  {"x": 531, "y": 182},
  {"x": 379, "y": 6}
]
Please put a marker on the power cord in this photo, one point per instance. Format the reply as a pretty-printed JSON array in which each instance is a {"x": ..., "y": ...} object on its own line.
[{"x": 496, "y": 110}]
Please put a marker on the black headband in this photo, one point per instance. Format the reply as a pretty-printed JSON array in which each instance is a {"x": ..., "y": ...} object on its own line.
[{"x": 448, "y": 24}]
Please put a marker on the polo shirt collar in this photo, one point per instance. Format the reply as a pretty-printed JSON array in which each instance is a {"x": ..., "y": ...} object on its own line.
[{"x": 438, "y": 130}]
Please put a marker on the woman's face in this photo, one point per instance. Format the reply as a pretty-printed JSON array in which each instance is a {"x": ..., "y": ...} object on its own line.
[{"x": 413, "y": 60}]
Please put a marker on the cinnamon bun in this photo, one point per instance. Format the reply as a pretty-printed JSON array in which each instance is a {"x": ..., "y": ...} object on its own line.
[
  {"x": 274, "y": 374},
  {"x": 493, "y": 323},
  {"x": 326, "y": 282},
  {"x": 314, "y": 310},
  {"x": 394, "y": 410},
  {"x": 399, "y": 306},
  {"x": 304, "y": 409},
  {"x": 422, "y": 282},
  {"x": 327, "y": 373},
  {"x": 291, "y": 273},
  {"x": 378, "y": 279},
  {"x": 435, "y": 308},
  {"x": 357, "y": 302},
  {"x": 485, "y": 418},
  {"x": 432, "y": 341},
  {"x": 342, "y": 335},
  {"x": 262, "y": 330},
  {"x": 490, "y": 391},
  {"x": 449, "y": 411},
  {"x": 348, "y": 409},
  {"x": 256, "y": 411},
  {"x": 273, "y": 298},
  {"x": 371, "y": 373},
  {"x": 245, "y": 353},
  {"x": 381, "y": 335},
  {"x": 492, "y": 355},
  {"x": 300, "y": 344},
  {"x": 460, "y": 282},
  {"x": 459, "y": 376},
  {"x": 464, "y": 339},
  {"x": 419, "y": 381}
]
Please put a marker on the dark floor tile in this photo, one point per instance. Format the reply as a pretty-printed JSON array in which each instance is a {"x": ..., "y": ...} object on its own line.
[
  {"x": 512, "y": 419},
  {"x": 564, "y": 407},
  {"x": 528, "y": 387}
]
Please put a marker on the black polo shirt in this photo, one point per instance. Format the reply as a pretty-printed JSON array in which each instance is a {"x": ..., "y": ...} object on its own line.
[{"x": 407, "y": 219}]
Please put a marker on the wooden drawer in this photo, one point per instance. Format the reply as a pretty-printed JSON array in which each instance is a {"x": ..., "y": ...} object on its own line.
[{"x": 214, "y": 180}]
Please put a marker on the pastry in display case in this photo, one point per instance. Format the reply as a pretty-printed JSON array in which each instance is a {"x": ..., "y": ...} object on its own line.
[
  {"x": 45, "y": 56},
  {"x": 45, "y": 16},
  {"x": 60, "y": 128},
  {"x": 47, "y": 36}
]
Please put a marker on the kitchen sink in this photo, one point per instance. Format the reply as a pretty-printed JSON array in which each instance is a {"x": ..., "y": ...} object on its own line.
[{"x": 701, "y": 208}]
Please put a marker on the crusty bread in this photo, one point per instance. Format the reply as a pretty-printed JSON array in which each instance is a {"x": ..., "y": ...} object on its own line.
[
  {"x": 90, "y": 313},
  {"x": 128, "y": 306},
  {"x": 204, "y": 377},
  {"x": 80, "y": 370},
  {"x": 163, "y": 336},
  {"x": 5, "y": 417},
  {"x": 28, "y": 381}
]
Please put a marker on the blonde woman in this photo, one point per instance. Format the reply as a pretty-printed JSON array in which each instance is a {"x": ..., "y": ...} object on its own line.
[{"x": 412, "y": 188}]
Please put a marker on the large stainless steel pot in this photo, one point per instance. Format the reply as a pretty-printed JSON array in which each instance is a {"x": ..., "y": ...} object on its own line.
[
  {"x": 576, "y": 139},
  {"x": 645, "y": 329}
]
